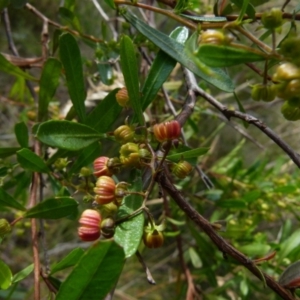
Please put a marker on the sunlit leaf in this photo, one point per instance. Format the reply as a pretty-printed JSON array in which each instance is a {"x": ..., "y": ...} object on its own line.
[
  {"x": 67, "y": 135},
  {"x": 216, "y": 77},
  {"x": 22, "y": 274},
  {"x": 129, "y": 233},
  {"x": 227, "y": 56},
  {"x": 9, "y": 68},
  {"x": 5, "y": 276}
]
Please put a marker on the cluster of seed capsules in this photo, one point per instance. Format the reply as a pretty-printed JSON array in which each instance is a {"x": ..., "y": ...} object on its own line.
[{"x": 109, "y": 194}]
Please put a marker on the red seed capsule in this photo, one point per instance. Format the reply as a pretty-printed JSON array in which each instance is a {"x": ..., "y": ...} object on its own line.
[
  {"x": 105, "y": 190},
  {"x": 101, "y": 168},
  {"x": 90, "y": 225},
  {"x": 167, "y": 131}
]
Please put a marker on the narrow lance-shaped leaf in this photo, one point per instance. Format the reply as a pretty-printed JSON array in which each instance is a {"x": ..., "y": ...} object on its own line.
[
  {"x": 129, "y": 233},
  {"x": 9, "y": 201},
  {"x": 48, "y": 84},
  {"x": 95, "y": 274},
  {"x": 21, "y": 132},
  {"x": 227, "y": 55},
  {"x": 53, "y": 208},
  {"x": 29, "y": 160},
  {"x": 188, "y": 154},
  {"x": 6, "y": 152},
  {"x": 105, "y": 113},
  {"x": 11, "y": 69},
  {"x": 71, "y": 60},
  {"x": 23, "y": 274},
  {"x": 216, "y": 77},
  {"x": 130, "y": 72},
  {"x": 161, "y": 68},
  {"x": 67, "y": 135}
]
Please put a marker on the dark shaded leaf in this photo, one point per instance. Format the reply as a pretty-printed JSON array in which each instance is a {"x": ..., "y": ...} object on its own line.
[
  {"x": 105, "y": 113},
  {"x": 29, "y": 160},
  {"x": 6, "y": 152},
  {"x": 95, "y": 274},
  {"x": 21, "y": 132},
  {"x": 130, "y": 71},
  {"x": 68, "y": 261},
  {"x": 48, "y": 84},
  {"x": 71, "y": 60},
  {"x": 53, "y": 208},
  {"x": 9, "y": 201}
]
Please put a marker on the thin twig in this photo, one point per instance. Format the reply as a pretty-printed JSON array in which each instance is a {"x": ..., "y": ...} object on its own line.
[
  {"x": 150, "y": 278},
  {"x": 57, "y": 25},
  {"x": 245, "y": 117},
  {"x": 34, "y": 230}
]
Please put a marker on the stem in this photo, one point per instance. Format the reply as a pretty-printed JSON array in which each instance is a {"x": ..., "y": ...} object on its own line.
[{"x": 34, "y": 230}]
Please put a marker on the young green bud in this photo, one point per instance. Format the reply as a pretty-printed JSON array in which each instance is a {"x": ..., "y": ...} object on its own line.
[
  {"x": 124, "y": 134},
  {"x": 4, "y": 227},
  {"x": 181, "y": 169},
  {"x": 272, "y": 19},
  {"x": 263, "y": 92},
  {"x": 153, "y": 239},
  {"x": 291, "y": 113},
  {"x": 213, "y": 37},
  {"x": 108, "y": 228}
]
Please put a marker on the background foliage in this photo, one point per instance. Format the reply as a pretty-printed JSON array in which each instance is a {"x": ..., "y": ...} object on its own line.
[{"x": 57, "y": 115}]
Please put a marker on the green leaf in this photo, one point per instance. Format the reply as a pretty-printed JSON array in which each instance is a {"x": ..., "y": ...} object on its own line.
[
  {"x": 5, "y": 276},
  {"x": 205, "y": 19},
  {"x": 5, "y": 152},
  {"x": 195, "y": 258},
  {"x": 216, "y": 77},
  {"x": 18, "y": 3},
  {"x": 95, "y": 274},
  {"x": 289, "y": 245},
  {"x": 246, "y": 8},
  {"x": 22, "y": 274},
  {"x": 9, "y": 201},
  {"x": 110, "y": 3},
  {"x": 48, "y": 84},
  {"x": 160, "y": 70},
  {"x": 21, "y": 132},
  {"x": 187, "y": 154},
  {"x": 88, "y": 155},
  {"x": 232, "y": 203},
  {"x": 69, "y": 17},
  {"x": 71, "y": 60},
  {"x": 53, "y": 208},
  {"x": 11, "y": 69},
  {"x": 227, "y": 56},
  {"x": 130, "y": 71},
  {"x": 29, "y": 160},
  {"x": 3, "y": 4},
  {"x": 68, "y": 261},
  {"x": 129, "y": 233},
  {"x": 105, "y": 113},
  {"x": 255, "y": 249},
  {"x": 67, "y": 135}
]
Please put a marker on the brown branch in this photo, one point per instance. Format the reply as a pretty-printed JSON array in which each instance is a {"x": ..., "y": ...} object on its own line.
[
  {"x": 222, "y": 245},
  {"x": 34, "y": 230}
]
